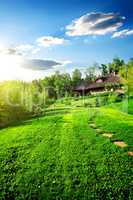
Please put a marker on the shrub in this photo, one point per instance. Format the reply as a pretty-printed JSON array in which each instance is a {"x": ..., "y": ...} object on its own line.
[
  {"x": 104, "y": 100},
  {"x": 97, "y": 102}
]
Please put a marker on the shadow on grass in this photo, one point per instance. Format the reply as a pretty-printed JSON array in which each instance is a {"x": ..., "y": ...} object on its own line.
[
  {"x": 56, "y": 112},
  {"x": 50, "y": 112}
]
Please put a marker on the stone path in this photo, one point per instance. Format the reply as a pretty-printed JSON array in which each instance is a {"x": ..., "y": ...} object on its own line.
[
  {"x": 109, "y": 135},
  {"x": 130, "y": 153},
  {"x": 120, "y": 143}
]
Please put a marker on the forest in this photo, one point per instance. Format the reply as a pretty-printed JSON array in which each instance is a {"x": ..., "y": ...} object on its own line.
[{"x": 20, "y": 100}]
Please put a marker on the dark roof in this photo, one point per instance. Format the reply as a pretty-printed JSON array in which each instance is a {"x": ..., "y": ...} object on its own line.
[
  {"x": 110, "y": 78},
  {"x": 105, "y": 80},
  {"x": 82, "y": 86}
]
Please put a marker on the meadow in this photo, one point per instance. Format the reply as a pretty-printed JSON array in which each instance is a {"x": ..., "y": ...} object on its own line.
[{"x": 65, "y": 155}]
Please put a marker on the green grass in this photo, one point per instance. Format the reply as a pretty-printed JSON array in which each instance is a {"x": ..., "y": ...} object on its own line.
[
  {"x": 60, "y": 157},
  {"x": 76, "y": 102},
  {"x": 116, "y": 122},
  {"x": 125, "y": 106},
  {"x": 130, "y": 106}
]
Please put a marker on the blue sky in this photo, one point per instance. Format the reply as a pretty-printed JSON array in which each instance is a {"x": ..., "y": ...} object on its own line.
[{"x": 79, "y": 32}]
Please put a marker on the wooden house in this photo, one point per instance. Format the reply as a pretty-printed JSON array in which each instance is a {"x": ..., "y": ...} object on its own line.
[{"x": 103, "y": 83}]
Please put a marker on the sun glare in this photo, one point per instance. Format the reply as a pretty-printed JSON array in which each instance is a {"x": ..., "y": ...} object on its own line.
[{"x": 9, "y": 66}]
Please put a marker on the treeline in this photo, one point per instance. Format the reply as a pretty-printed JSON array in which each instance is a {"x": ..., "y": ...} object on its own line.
[{"x": 20, "y": 100}]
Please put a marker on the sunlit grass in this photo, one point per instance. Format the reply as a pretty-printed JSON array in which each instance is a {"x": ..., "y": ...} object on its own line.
[{"x": 60, "y": 156}]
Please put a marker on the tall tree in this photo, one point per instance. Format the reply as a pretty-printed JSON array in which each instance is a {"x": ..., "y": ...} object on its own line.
[
  {"x": 127, "y": 76},
  {"x": 104, "y": 69},
  {"x": 117, "y": 65},
  {"x": 76, "y": 77}
]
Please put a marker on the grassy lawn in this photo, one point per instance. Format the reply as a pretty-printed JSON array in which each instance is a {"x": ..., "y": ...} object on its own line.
[
  {"x": 116, "y": 122},
  {"x": 59, "y": 156}
]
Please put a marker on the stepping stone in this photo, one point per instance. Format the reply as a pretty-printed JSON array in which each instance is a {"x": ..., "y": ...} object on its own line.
[
  {"x": 130, "y": 153},
  {"x": 93, "y": 126},
  {"x": 120, "y": 144},
  {"x": 109, "y": 135},
  {"x": 98, "y": 130}
]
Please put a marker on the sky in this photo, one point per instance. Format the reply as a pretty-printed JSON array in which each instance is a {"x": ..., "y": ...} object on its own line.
[{"x": 38, "y": 37}]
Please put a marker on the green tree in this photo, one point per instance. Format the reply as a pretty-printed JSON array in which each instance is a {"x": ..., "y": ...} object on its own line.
[
  {"x": 127, "y": 76},
  {"x": 76, "y": 77},
  {"x": 116, "y": 65},
  {"x": 90, "y": 74},
  {"x": 104, "y": 69}
]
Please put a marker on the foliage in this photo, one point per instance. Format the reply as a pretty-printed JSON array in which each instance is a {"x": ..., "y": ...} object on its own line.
[
  {"x": 97, "y": 102},
  {"x": 76, "y": 77},
  {"x": 127, "y": 76},
  {"x": 34, "y": 97},
  {"x": 104, "y": 69},
  {"x": 90, "y": 73},
  {"x": 114, "y": 67}
]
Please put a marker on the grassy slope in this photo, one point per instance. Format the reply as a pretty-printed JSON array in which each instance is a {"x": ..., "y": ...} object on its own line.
[
  {"x": 61, "y": 157},
  {"x": 116, "y": 122}
]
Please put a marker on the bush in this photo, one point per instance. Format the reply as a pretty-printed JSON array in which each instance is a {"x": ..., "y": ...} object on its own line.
[
  {"x": 68, "y": 102},
  {"x": 97, "y": 102},
  {"x": 13, "y": 114},
  {"x": 119, "y": 97},
  {"x": 104, "y": 100},
  {"x": 88, "y": 104}
]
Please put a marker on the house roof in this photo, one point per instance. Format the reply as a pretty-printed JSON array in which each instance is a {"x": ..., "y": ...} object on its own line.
[
  {"x": 110, "y": 78},
  {"x": 105, "y": 80}
]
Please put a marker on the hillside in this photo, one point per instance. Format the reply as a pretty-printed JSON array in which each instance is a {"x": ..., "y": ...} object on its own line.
[{"x": 63, "y": 155}]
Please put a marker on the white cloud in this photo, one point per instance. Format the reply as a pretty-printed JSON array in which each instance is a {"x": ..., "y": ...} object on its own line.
[
  {"x": 123, "y": 33},
  {"x": 24, "y": 47},
  {"x": 95, "y": 24},
  {"x": 66, "y": 62},
  {"x": 35, "y": 50},
  {"x": 23, "y": 50},
  {"x": 48, "y": 41},
  {"x": 8, "y": 51}
]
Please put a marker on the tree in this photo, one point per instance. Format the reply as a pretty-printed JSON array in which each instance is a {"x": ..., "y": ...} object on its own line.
[
  {"x": 116, "y": 65},
  {"x": 110, "y": 68},
  {"x": 90, "y": 74},
  {"x": 67, "y": 83},
  {"x": 76, "y": 77},
  {"x": 127, "y": 76},
  {"x": 49, "y": 86},
  {"x": 104, "y": 69}
]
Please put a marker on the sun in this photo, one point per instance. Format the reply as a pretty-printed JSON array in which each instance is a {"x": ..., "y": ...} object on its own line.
[{"x": 9, "y": 66}]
